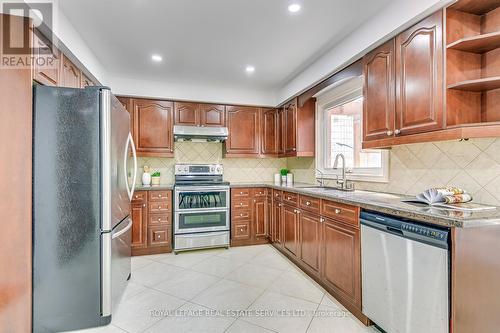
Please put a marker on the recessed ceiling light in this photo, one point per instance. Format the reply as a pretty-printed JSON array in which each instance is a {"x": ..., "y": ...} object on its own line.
[
  {"x": 156, "y": 58},
  {"x": 250, "y": 69},
  {"x": 294, "y": 7}
]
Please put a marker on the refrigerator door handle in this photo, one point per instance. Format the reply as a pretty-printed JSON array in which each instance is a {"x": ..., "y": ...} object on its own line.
[
  {"x": 130, "y": 141},
  {"x": 124, "y": 230}
]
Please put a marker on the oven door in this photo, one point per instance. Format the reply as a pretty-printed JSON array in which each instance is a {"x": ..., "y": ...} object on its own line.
[
  {"x": 201, "y": 221},
  {"x": 201, "y": 198}
]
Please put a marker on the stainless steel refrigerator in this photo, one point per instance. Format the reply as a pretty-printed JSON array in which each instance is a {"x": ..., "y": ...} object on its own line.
[{"x": 84, "y": 168}]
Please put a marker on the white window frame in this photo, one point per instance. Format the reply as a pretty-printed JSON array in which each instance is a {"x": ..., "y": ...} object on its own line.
[{"x": 334, "y": 95}]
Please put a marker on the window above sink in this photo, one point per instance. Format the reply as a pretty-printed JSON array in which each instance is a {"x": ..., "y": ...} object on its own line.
[{"x": 339, "y": 123}]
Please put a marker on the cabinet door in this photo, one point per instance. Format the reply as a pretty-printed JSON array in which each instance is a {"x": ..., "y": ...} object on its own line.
[
  {"x": 290, "y": 231},
  {"x": 419, "y": 77},
  {"x": 187, "y": 114},
  {"x": 243, "y": 127},
  {"x": 276, "y": 218},
  {"x": 153, "y": 124},
  {"x": 269, "y": 217},
  {"x": 342, "y": 260},
  {"x": 310, "y": 240},
  {"x": 269, "y": 132},
  {"x": 259, "y": 218},
  {"x": 86, "y": 82},
  {"x": 70, "y": 74},
  {"x": 212, "y": 115},
  {"x": 49, "y": 74},
  {"x": 281, "y": 132},
  {"x": 139, "y": 224},
  {"x": 379, "y": 93},
  {"x": 290, "y": 135}
]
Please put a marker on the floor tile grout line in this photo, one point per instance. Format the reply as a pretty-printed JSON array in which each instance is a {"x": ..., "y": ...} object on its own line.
[{"x": 313, "y": 316}]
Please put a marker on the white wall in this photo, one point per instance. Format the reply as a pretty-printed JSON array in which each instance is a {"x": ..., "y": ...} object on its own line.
[
  {"x": 190, "y": 92},
  {"x": 65, "y": 31},
  {"x": 397, "y": 16}
]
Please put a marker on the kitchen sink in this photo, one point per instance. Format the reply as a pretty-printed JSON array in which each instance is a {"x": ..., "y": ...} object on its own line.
[{"x": 324, "y": 188}]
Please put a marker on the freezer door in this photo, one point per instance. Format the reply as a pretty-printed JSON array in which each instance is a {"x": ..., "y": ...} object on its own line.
[
  {"x": 116, "y": 253},
  {"x": 115, "y": 144}
]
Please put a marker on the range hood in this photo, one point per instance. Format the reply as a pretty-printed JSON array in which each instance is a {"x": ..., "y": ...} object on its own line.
[{"x": 200, "y": 133}]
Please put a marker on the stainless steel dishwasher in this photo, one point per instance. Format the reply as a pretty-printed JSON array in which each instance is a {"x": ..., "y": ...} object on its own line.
[{"x": 405, "y": 274}]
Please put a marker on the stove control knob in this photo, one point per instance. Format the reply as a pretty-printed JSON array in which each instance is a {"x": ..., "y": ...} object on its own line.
[
  {"x": 179, "y": 169},
  {"x": 212, "y": 169},
  {"x": 219, "y": 169},
  {"x": 185, "y": 169}
]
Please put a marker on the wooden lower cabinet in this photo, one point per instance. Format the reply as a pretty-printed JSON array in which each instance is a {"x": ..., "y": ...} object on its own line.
[
  {"x": 249, "y": 216},
  {"x": 341, "y": 264},
  {"x": 290, "y": 230},
  {"x": 151, "y": 222},
  {"x": 139, "y": 224},
  {"x": 310, "y": 240},
  {"x": 322, "y": 237}
]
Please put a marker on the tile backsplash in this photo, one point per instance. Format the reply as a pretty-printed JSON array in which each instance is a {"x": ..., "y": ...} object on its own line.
[
  {"x": 473, "y": 164},
  {"x": 235, "y": 169}
]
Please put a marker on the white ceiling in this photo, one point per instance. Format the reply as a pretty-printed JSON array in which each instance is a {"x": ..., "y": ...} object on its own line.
[{"x": 209, "y": 42}]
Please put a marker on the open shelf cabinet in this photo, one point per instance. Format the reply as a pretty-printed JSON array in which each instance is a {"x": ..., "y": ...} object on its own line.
[{"x": 473, "y": 62}]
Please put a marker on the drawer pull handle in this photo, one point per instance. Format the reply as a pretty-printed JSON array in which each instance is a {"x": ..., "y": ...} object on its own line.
[
  {"x": 241, "y": 203},
  {"x": 322, "y": 220},
  {"x": 159, "y": 195},
  {"x": 159, "y": 219},
  {"x": 308, "y": 203},
  {"x": 289, "y": 198},
  {"x": 241, "y": 214},
  {"x": 337, "y": 211},
  {"x": 241, "y": 192},
  {"x": 143, "y": 205},
  {"x": 136, "y": 196},
  {"x": 159, "y": 236},
  {"x": 159, "y": 207}
]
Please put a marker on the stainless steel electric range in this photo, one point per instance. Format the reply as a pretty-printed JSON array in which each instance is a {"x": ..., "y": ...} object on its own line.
[{"x": 201, "y": 207}]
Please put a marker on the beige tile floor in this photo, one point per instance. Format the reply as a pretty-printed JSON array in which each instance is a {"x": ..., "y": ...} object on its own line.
[{"x": 193, "y": 291}]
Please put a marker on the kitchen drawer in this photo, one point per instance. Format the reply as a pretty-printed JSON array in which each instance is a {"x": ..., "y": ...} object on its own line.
[
  {"x": 291, "y": 198},
  {"x": 159, "y": 207},
  {"x": 241, "y": 215},
  {"x": 340, "y": 212},
  {"x": 159, "y": 195},
  {"x": 309, "y": 203},
  {"x": 159, "y": 235},
  {"x": 277, "y": 195},
  {"x": 139, "y": 196},
  {"x": 241, "y": 203},
  {"x": 155, "y": 219},
  {"x": 241, "y": 231},
  {"x": 241, "y": 193},
  {"x": 259, "y": 192}
]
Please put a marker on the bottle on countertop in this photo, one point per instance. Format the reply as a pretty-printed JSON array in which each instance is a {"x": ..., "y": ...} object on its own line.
[{"x": 146, "y": 176}]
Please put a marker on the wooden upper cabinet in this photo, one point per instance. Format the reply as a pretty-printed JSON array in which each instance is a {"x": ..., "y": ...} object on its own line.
[
  {"x": 269, "y": 132},
  {"x": 243, "y": 126},
  {"x": 70, "y": 74},
  {"x": 187, "y": 114},
  {"x": 379, "y": 93},
  {"x": 419, "y": 77},
  {"x": 86, "y": 82},
  {"x": 280, "y": 133},
  {"x": 49, "y": 74},
  {"x": 290, "y": 127},
  {"x": 153, "y": 127},
  {"x": 212, "y": 115}
]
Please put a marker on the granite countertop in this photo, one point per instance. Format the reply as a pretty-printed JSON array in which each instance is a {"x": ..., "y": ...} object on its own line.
[
  {"x": 161, "y": 187},
  {"x": 389, "y": 203}
]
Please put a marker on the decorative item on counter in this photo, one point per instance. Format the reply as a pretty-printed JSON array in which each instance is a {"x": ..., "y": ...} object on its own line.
[
  {"x": 155, "y": 178},
  {"x": 289, "y": 179},
  {"x": 146, "y": 176},
  {"x": 283, "y": 173},
  {"x": 277, "y": 179}
]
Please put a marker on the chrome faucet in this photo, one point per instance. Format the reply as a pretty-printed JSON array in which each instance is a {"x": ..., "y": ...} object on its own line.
[
  {"x": 321, "y": 179},
  {"x": 343, "y": 183}
]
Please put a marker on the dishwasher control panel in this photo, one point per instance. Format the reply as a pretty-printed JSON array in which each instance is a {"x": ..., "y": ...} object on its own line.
[{"x": 425, "y": 231}]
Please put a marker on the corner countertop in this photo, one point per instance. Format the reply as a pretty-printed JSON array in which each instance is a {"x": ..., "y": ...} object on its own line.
[
  {"x": 389, "y": 203},
  {"x": 161, "y": 187}
]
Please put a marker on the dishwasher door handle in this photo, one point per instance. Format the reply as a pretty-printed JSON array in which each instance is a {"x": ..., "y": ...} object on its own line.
[{"x": 395, "y": 231}]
